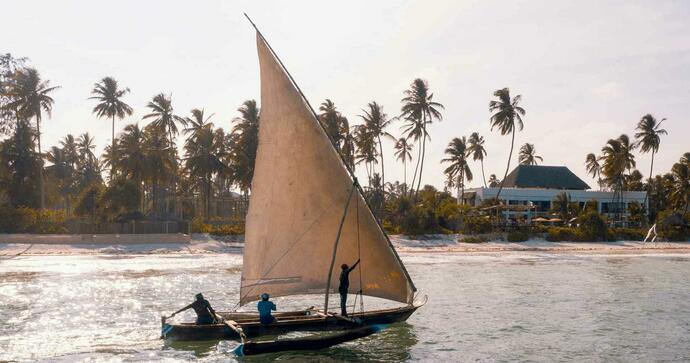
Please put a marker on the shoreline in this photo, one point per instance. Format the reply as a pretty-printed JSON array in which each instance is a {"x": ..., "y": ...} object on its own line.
[{"x": 206, "y": 244}]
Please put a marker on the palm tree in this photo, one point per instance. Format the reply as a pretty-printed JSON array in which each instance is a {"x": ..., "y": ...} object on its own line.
[
  {"x": 418, "y": 110},
  {"x": 375, "y": 122},
  {"x": 160, "y": 161},
  {"x": 110, "y": 104},
  {"x": 403, "y": 151},
  {"x": 593, "y": 167},
  {"x": 493, "y": 181},
  {"x": 197, "y": 121},
  {"x": 69, "y": 146},
  {"x": 245, "y": 137},
  {"x": 8, "y": 65},
  {"x": 111, "y": 157},
  {"x": 88, "y": 162},
  {"x": 203, "y": 159},
  {"x": 563, "y": 206},
  {"x": 458, "y": 169},
  {"x": 507, "y": 118},
  {"x": 528, "y": 155},
  {"x": 30, "y": 98},
  {"x": 617, "y": 158},
  {"x": 62, "y": 172},
  {"x": 348, "y": 148},
  {"x": 685, "y": 159},
  {"x": 130, "y": 156},
  {"x": 633, "y": 181},
  {"x": 648, "y": 139},
  {"x": 21, "y": 166},
  {"x": 681, "y": 183},
  {"x": 365, "y": 143},
  {"x": 164, "y": 118},
  {"x": 332, "y": 121},
  {"x": 86, "y": 146},
  {"x": 475, "y": 148}
]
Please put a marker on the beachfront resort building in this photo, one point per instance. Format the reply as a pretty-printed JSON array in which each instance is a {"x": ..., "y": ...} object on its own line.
[{"x": 533, "y": 188}]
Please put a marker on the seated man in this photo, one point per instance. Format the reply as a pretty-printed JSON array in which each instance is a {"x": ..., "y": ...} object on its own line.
[
  {"x": 204, "y": 312},
  {"x": 265, "y": 308}
]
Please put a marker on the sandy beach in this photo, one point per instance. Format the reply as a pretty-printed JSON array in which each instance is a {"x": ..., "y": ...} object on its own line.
[{"x": 206, "y": 244}]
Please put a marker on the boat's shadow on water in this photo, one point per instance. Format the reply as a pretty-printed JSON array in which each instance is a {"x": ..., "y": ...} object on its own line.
[{"x": 390, "y": 345}]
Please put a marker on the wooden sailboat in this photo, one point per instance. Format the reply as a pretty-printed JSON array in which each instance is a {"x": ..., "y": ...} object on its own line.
[{"x": 306, "y": 215}]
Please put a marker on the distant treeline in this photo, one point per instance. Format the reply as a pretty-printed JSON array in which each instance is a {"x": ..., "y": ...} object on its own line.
[{"x": 141, "y": 174}]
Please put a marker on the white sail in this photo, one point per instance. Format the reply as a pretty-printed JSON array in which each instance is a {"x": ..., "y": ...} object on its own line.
[{"x": 299, "y": 193}]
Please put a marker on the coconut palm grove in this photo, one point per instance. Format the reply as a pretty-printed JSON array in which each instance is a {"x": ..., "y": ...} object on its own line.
[{"x": 186, "y": 165}]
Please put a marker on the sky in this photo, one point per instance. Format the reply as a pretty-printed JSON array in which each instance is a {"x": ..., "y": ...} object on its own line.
[{"x": 587, "y": 70}]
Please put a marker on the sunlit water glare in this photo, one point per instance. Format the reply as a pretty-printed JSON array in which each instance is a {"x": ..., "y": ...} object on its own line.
[{"x": 522, "y": 307}]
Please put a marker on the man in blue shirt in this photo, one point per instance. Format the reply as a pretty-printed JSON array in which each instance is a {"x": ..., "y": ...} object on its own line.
[{"x": 265, "y": 308}]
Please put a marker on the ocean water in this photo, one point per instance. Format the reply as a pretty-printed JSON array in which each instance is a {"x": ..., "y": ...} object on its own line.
[{"x": 496, "y": 308}]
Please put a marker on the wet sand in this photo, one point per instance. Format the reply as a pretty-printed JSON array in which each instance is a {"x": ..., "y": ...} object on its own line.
[{"x": 205, "y": 244}]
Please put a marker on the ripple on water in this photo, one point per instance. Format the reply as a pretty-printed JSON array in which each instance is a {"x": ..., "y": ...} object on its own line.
[
  {"x": 486, "y": 309},
  {"x": 18, "y": 276}
]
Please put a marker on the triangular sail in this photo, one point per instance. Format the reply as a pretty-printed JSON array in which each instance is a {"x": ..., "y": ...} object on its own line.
[{"x": 299, "y": 192}]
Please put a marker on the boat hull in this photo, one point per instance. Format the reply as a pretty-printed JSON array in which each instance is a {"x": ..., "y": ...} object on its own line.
[
  {"x": 306, "y": 320},
  {"x": 308, "y": 343}
]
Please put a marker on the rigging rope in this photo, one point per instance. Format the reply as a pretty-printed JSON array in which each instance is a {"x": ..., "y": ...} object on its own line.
[{"x": 359, "y": 257}]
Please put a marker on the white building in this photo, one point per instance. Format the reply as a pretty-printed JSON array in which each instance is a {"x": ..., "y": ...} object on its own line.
[{"x": 538, "y": 186}]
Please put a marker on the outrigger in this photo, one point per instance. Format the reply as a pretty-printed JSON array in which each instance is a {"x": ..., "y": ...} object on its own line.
[{"x": 306, "y": 212}]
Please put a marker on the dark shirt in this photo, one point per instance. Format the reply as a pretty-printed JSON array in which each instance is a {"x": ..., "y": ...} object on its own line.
[
  {"x": 202, "y": 308},
  {"x": 345, "y": 279}
]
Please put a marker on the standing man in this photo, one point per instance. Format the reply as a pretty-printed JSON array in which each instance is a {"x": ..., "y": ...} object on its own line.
[
  {"x": 344, "y": 285},
  {"x": 204, "y": 312}
]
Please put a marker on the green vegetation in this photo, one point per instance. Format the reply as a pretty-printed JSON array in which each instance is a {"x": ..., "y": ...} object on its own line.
[
  {"x": 220, "y": 229},
  {"x": 27, "y": 220},
  {"x": 175, "y": 166},
  {"x": 592, "y": 227},
  {"x": 517, "y": 236}
]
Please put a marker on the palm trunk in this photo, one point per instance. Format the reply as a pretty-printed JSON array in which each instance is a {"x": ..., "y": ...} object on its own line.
[
  {"x": 462, "y": 192},
  {"x": 461, "y": 187},
  {"x": 174, "y": 178},
  {"x": 483, "y": 177},
  {"x": 366, "y": 167},
  {"x": 510, "y": 156},
  {"x": 416, "y": 167},
  {"x": 40, "y": 163},
  {"x": 141, "y": 195},
  {"x": 421, "y": 165},
  {"x": 208, "y": 196},
  {"x": 112, "y": 149},
  {"x": 404, "y": 176},
  {"x": 383, "y": 172},
  {"x": 155, "y": 196},
  {"x": 649, "y": 185}
]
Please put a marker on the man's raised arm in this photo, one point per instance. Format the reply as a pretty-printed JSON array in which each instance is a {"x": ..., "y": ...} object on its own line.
[{"x": 353, "y": 266}]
